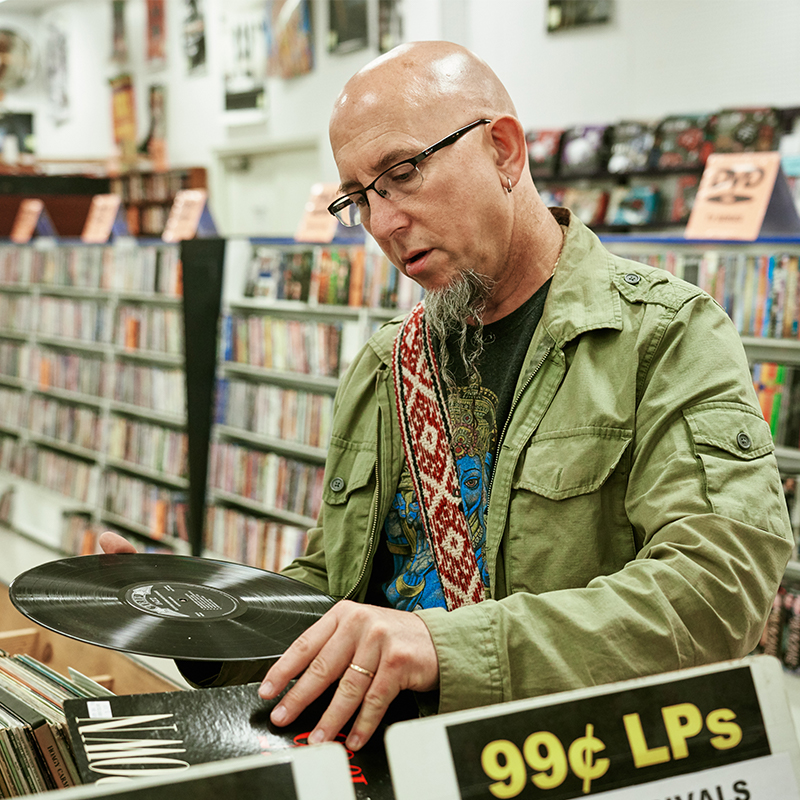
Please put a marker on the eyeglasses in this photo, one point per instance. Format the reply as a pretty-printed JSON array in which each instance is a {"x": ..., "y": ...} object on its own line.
[{"x": 395, "y": 183}]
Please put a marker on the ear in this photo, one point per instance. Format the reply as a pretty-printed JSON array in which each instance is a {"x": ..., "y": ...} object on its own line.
[{"x": 511, "y": 151}]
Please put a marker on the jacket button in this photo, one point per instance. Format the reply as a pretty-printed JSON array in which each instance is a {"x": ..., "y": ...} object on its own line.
[
  {"x": 744, "y": 441},
  {"x": 337, "y": 484},
  {"x": 632, "y": 278}
]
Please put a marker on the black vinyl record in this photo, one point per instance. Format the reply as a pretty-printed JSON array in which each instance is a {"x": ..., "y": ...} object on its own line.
[{"x": 169, "y": 606}]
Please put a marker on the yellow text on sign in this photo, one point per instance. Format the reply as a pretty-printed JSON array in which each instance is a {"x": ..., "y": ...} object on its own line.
[
  {"x": 681, "y": 722},
  {"x": 544, "y": 753}
]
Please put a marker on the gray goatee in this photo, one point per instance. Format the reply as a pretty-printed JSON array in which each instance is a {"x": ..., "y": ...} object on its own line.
[{"x": 447, "y": 311}]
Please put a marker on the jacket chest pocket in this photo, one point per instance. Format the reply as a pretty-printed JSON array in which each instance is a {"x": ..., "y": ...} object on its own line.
[
  {"x": 568, "y": 521},
  {"x": 348, "y": 469}
]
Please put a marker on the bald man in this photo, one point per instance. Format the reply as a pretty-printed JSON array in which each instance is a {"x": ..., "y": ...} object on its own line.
[{"x": 552, "y": 474}]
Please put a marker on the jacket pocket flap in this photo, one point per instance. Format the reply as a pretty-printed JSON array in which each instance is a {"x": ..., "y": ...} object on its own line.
[
  {"x": 570, "y": 463},
  {"x": 347, "y": 469},
  {"x": 736, "y": 429}
]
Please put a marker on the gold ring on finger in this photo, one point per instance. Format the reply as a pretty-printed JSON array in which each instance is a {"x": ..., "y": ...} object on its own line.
[{"x": 363, "y": 671}]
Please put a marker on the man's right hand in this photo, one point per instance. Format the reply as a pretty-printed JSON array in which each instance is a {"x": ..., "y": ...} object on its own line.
[{"x": 114, "y": 543}]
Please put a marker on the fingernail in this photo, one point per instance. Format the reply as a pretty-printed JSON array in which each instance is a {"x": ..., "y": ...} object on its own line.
[
  {"x": 353, "y": 742},
  {"x": 316, "y": 736},
  {"x": 278, "y": 715},
  {"x": 267, "y": 690}
]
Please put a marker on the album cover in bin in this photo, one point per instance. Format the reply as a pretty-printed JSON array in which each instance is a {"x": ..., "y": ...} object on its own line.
[
  {"x": 633, "y": 205},
  {"x": 543, "y": 151},
  {"x": 584, "y": 150},
  {"x": 631, "y": 147},
  {"x": 740, "y": 130},
  {"x": 587, "y": 203},
  {"x": 201, "y": 725},
  {"x": 683, "y": 200},
  {"x": 683, "y": 141}
]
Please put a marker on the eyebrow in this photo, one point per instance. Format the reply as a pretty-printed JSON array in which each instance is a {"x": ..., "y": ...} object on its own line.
[{"x": 391, "y": 158}]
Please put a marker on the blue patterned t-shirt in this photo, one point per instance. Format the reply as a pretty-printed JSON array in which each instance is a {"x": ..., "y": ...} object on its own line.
[{"x": 477, "y": 412}]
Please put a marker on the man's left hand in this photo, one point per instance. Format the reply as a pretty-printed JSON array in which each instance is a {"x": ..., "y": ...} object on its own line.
[{"x": 394, "y": 646}]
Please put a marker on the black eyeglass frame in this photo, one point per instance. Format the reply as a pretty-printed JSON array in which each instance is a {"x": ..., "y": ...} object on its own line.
[{"x": 342, "y": 202}]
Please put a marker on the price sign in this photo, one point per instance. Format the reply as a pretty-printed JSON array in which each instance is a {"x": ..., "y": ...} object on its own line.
[
  {"x": 306, "y": 773},
  {"x": 686, "y": 729},
  {"x": 101, "y": 218},
  {"x": 185, "y": 215},
  {"x": 317, "y": 223},
  {"x": 26, "y": 220}
]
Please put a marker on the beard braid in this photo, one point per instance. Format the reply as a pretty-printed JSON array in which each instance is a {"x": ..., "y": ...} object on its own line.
[{"x": 447, "y": 311}]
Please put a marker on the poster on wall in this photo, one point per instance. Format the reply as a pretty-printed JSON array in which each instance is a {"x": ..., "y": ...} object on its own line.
[
  {"x": 347, "y": 26},
  {"x": 290, "y": 43},
  {"x": 564, "y": 14},
  {"x": 390, "y": 24},
  {"x": 156, "y": 33},
  {"x": 123, "y": 115},
  {"x": 155, "y": 144},
  {"x": 119, "y": 33},
  {"x": 245, "y": 70},
  {"x": 194, "y": 37},
  {"x": 56, "y": 74}
]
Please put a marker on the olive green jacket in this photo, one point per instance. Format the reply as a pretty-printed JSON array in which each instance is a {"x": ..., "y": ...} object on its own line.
[{"x": 636, "y": 521}]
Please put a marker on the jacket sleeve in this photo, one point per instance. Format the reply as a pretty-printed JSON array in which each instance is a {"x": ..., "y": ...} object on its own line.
[{"x": 706, "y": 509}]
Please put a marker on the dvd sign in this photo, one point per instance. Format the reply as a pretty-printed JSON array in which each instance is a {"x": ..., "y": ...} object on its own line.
[
  {"x": 742, "y": 196},
  {"x": 736, "y": 184}
]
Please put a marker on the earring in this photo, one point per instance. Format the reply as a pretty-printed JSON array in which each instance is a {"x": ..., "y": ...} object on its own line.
[{"x": 509, "y": 185}]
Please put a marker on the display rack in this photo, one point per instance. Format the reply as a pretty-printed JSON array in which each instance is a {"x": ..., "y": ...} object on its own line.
[
  {"x": 764, "y": 273},
  {"x": 591, "y": 196},
  {"x": 271, "y": 389},
  {"x": 66, "y": 198},
  {"x": 92, "y": 393},
  {"x": 147, "y": 196}
]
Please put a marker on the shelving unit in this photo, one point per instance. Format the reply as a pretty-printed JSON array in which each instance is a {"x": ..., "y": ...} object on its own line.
[
  {"x": 92, "y": 393},
  {"x": 561, "y": 190},
  {"x": 147, "y": 196},
  {"x": 272, "y": 410},
  {"x": 66, "y": 198},
  {"x": 704, "y": 258}
]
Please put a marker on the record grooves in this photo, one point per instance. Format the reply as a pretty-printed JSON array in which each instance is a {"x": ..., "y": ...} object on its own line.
[{"x": 169, "y": 606}]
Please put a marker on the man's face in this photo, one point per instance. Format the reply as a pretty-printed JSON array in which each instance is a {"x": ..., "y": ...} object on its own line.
[{"x": 457, "y": 220}]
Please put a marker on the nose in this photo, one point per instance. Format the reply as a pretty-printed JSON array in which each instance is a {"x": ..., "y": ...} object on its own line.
[{"x": 385, "y": 217}]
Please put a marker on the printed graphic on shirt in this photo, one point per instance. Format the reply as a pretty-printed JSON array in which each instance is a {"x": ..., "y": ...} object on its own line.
[{"x": 415, "y": 582}]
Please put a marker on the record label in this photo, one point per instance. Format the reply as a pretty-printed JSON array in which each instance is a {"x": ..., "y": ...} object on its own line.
[
  {"x": 182, "y": 600},
  {"x": 169, "y": 606}
]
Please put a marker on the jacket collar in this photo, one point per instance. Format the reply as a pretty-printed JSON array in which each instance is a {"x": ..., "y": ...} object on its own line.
[{"x": 583, "y": 295}]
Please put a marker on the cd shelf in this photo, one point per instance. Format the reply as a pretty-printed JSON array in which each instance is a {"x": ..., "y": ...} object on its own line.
[
  {"x": 315, "y": 455},
  {"x": 96, "y": 343},
  {"x": 293, "y": 315},
  {"x": 757, "y": 285},
  {"x": 238, "y": 363}
]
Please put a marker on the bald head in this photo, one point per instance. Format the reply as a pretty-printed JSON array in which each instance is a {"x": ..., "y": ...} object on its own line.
[
  {"x": 473, "y": 206},
  {"x": 417, "y": 78}
]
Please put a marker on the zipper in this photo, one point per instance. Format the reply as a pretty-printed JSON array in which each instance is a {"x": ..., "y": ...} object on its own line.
[{"x": 511, "y": 413}]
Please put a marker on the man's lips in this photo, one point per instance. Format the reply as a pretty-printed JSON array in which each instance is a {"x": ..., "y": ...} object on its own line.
[{"x": 415, "y": 262}]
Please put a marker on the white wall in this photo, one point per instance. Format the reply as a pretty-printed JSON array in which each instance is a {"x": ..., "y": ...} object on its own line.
[{"x": 656, "y": 57}]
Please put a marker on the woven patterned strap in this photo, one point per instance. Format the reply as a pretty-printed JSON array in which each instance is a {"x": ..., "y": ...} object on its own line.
[{"x": 425, "y": 428}]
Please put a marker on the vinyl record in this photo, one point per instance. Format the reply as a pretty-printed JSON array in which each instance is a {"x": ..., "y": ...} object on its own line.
[{"x": 169, "y": 606}]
